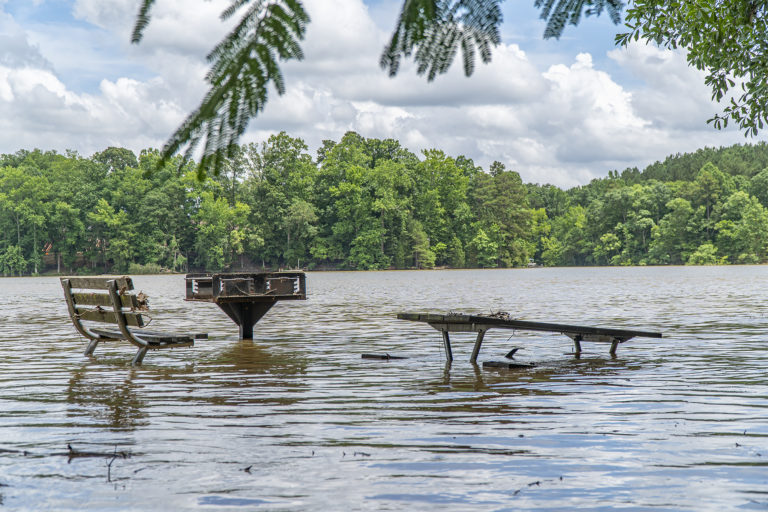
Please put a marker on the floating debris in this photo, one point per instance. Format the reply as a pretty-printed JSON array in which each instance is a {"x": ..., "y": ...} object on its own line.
[
  {"x": 382, "y": 356},
  {"x": 74, "y": 454},
  {"x": 504, "y": 364}
]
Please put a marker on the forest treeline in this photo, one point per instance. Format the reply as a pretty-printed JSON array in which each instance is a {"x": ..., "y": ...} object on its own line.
[{"x": 370, "y": 204}]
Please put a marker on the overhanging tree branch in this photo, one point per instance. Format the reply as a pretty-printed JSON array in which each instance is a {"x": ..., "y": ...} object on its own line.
[
  {"x": 434, "y": 30},
  {"x": 242, "y": 66}
]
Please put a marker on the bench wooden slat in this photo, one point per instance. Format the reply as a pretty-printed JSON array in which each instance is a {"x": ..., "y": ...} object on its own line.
[
  {"x": 95, "y": 315},
  {"x": 167, "y": 337},
  {"x": 153, "y": 338},
  {"x": 100, "y": 282},
  {"x": 102, "y": 299}
]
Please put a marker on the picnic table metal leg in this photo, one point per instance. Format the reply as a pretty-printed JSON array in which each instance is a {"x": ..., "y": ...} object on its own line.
[
  {"x": 577, "y": 346},
  {"x": 614, "y": 346},
  {"x": 478, "y": 344},
  {"x": 447, "y": 345}
]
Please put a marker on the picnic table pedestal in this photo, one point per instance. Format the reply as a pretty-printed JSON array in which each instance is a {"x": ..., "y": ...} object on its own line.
[{"x": 246, "y": 297}]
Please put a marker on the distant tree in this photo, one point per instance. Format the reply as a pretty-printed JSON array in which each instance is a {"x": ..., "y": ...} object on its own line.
[
  {"x": 223, "y": 231},
  {"x": 607, "y": 251},
  {"x": 485, "y": 249},
  {"x": 705, "y": 254},
  {"x": 12, "y": 261},
  {"x": 423, "y": 256},
  {"x": 758, "y": 186},
  {"x": 116, "y": 159},
  {"x": 114, "y": 234},
  {"x": 672, "y": 240},
  {"x": 710, "y": 186},
  {"x": 501, "y": 206},
  {"x": 742, "y": 232}
]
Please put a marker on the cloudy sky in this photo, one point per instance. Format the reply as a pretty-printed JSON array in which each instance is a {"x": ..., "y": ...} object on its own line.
[{"x": 559, "y": 112}]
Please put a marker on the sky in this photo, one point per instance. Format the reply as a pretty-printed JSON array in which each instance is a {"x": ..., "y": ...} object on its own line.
[{"x": 558, "y": 111}]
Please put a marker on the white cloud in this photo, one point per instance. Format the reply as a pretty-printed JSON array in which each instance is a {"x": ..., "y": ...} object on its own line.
[
  {"x": 106, "y": 14},
  {"x": 15, "y": 48},
  {"x": 674, "y": 94},
  {"x": 564, "y": 125},
  {"x": 42, "y": 113},
  {"x": 181, "y": 27}
]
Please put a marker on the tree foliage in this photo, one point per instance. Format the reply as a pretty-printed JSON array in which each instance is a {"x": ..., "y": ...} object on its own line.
[
  {"x": 366, "y": 204},
  {"x": 727, "y": 39},
  {"x": 432, "y": 31},
  {"x": 560, "y": 13}
]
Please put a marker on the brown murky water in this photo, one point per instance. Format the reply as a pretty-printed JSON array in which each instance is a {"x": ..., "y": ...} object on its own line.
[{"x": 296, "y": 420}]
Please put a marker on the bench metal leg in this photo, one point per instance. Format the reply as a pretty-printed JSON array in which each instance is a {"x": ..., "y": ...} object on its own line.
[
  {"x": 478, "y": 344},
  {"x": 447, "y": 345},
  {"x": 577, "y": 346},
  {"x": 614, "y": 346},
  {"x": 91, "y": 347},
  {"x": 139, "y": 357}
]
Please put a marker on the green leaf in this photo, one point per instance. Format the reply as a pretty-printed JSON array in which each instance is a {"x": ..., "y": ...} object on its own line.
[
  {"x": 432, "y": 31},
  {"x": 558, "y": 13},
  {"x": 142, "y": 20}
]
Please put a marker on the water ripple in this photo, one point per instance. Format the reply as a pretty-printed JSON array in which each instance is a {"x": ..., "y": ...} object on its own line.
[{"x": 296, "y": 420}]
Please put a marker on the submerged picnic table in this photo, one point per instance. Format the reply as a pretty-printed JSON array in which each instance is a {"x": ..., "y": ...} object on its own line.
[
  {"x": 246, "y": 296},
  {"x": 457, "y": 322}
]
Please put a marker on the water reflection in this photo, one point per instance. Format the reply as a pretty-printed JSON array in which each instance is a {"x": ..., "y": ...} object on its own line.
[
  {"x": 252, "y": 357},
  {"x": 119, "y": 400},
  {"x": 677, "y": 423},
  {"x": 113, "y": 400}
]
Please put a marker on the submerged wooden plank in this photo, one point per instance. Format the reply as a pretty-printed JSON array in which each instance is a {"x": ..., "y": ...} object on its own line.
[
  {"x": 382, "y": 356},
  {"x": 152, "y": 335},
  {"x": 505, "y": 364},
  {"x": 165, "y": 337}
]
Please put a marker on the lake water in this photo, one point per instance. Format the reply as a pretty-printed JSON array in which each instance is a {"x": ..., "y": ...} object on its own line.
[{"x": 295, "y": 420}]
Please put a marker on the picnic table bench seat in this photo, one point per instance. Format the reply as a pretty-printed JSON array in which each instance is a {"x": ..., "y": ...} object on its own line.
[
  {"x": 110, "y": 299},
  {"x": 458, "y": 322}
]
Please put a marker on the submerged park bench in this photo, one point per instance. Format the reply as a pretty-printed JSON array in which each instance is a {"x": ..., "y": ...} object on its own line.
[
  {"x": 244, "y": 297},
  {"x": 110, "y": 299},
  {"x": 456, "y": 322}
]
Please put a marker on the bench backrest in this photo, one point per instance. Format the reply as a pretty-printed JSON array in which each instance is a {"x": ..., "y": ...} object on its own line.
[{"x": 104, "y": 299}]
